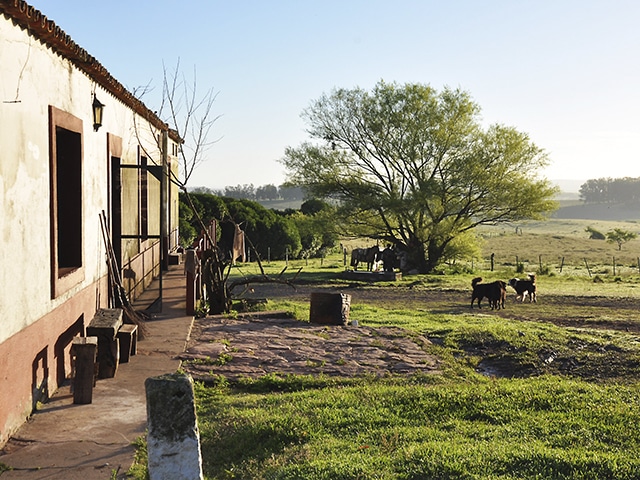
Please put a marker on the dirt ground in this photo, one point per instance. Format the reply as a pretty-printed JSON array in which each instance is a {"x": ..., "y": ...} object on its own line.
[{"x": 253, "y": 345}]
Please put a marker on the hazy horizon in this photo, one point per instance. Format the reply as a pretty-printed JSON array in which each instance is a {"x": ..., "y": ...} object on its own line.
[
  {"x": 565, "y": 185},
  {"x": 561, "y": 72}
]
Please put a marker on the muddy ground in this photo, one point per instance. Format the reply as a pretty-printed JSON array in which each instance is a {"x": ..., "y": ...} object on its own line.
[{"x": 256, "y": 344}]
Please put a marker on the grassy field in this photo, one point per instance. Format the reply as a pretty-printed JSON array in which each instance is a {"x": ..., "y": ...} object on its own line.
[
  {"x": 564, "y": 403},
  {"x": 563, "y": 246},
  {"x": 542, "y": 428},
  {"x": 576, "y": 422}
]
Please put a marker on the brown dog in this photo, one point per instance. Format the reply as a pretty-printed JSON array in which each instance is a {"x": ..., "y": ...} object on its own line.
[{"x": 495, "y": 292}]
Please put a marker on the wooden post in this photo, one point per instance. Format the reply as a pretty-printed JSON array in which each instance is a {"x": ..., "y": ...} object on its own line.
[
  {"x": 492, "y": 260},
  {"x": 105, "y": 325},
  {"x": 191, "y": 270},
  {"x": 83, "y": 352},
  {"x": 587, "y": 265},
  {"x": 614, "y": 266},
  {"x": 128, "y": 339},
  {"x": 561, "y": 264},
  {"x": 191, "y": 294}
]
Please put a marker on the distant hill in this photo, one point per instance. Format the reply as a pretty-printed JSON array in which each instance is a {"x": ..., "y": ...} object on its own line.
[
  {"x": 569, "y": 189},
  {"x": 281, "y": 204},
  {"x": 599, "y": 211}
]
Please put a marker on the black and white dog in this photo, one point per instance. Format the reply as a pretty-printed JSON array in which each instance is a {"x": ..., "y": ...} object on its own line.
[{"x": 524, "y": 288}]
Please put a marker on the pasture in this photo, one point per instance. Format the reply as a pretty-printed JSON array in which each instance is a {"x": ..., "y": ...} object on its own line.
[
  {"x": 532, "y": 391},
  {"x": 562, "y": 243}
]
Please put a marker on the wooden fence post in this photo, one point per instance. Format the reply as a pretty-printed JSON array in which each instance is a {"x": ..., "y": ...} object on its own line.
[
  {"x": 587, "y": 265},
  {"x": 191, "y": 268}
]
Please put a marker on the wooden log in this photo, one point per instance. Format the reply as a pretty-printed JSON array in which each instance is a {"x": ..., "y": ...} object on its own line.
[
  {"x": 330, "y": 308},
  {"x": 128, "y": 340},
  {"x": 105, "y": 325},
  {"x": 83, "y": 352}
]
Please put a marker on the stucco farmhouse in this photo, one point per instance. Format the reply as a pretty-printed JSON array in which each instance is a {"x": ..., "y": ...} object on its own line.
[{"x": 77, "y": 150}]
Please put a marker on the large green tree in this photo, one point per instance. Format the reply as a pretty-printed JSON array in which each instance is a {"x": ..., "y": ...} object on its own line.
[{"x": 416, "y": 167}]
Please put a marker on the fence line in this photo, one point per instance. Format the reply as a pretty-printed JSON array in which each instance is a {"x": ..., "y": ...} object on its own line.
[{"x": 609, "y": 266}]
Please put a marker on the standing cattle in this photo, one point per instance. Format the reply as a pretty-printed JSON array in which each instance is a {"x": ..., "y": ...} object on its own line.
[
  {"x": 390, "y": 259},
  {"x": 365, "y": 255}
]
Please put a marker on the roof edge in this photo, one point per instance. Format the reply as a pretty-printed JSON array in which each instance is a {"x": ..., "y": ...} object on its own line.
[{"x": 50, "y": 34}]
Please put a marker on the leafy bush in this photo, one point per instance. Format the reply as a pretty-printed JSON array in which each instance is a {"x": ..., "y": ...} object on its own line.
[
  {"x": 269, "y": 233},
  {"x": 594, "y": 234}
]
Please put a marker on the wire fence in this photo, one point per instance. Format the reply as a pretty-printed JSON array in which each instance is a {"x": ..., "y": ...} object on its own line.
[{"x": 614, "y": 266}]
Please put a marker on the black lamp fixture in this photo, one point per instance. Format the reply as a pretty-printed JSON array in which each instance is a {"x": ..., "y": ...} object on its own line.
[{"x": 97, "y": 113}]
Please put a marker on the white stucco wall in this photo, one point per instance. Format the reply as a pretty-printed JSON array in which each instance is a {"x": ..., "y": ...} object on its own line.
[
  {"x": 33, "y": 77},
  {"x": 36, "y": 329}
]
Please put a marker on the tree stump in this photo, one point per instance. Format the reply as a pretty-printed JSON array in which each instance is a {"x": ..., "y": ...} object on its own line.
[
  {"x": 330, "y": 308},
  {"x": 83, "y": 351}
]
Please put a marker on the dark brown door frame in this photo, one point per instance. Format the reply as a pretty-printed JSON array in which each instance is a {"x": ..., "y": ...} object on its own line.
[{"x": 158, "y": 173}]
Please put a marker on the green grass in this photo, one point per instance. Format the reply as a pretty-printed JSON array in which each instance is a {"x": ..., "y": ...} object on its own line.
[
  {"x": 545, "y": 427},
  {"x": 569, "y": 410},
  {"x": 459, "y": 424}
]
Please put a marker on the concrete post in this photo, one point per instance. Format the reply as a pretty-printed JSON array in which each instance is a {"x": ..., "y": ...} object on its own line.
[{"x": 173, "y": 440}]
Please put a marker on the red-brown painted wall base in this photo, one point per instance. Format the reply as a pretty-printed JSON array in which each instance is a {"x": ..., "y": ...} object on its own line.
[{"x": 35, "y": 362}]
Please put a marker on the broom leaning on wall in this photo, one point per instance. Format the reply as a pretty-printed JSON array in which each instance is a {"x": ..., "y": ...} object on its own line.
[{"x": 132, "y": 315}]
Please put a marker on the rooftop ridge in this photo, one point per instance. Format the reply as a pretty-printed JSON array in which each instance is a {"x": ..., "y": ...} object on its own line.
[{"x": 53, "y": 36}]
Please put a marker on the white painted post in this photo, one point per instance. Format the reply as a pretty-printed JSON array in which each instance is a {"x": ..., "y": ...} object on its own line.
[{"x": 173, "y": 440}]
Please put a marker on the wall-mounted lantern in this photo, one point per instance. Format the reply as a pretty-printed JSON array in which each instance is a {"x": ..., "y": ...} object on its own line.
[{"x": 97, "y": 113}]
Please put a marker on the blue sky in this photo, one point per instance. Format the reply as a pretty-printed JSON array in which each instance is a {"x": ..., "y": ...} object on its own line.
[{"x": 567, "y": 72}]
